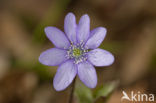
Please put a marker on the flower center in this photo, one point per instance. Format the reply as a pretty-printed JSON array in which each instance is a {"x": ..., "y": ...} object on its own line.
[{"x": 77, "y": 52}]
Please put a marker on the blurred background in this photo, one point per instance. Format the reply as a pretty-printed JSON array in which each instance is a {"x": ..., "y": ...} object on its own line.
[{"x": 131, "y": 37}]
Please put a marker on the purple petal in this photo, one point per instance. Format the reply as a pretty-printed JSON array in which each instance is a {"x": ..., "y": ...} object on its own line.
[
  {"x": 57, "y": 37},
  {"x": 87, "y": 74},
  {"x": 65, "y": 75},
  {"x": 83, "y": 28},
  {"x": 100, "y": 57},
  {"x": 53, "y": 57},
  {"x": 70, "y": 27},
  {"x": 97, "y": 36}
]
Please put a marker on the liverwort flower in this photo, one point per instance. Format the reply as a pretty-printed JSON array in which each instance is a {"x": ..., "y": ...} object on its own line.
[{"x": 76, "y": 52}]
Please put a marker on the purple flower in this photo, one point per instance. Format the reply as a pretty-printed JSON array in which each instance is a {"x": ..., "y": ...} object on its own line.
[{"x": 73, "y": 52}]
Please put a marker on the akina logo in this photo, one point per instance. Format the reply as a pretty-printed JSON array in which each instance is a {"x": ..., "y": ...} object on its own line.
[{"x": 137, "y": 96}]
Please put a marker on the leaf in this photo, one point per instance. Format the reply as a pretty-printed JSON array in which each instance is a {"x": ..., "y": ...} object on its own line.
[
  {"x": 83, "y": 94},
  {"x": 105, "y": 90}
]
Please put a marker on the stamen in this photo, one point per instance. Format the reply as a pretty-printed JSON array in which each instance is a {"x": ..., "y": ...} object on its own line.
[{"x": 77, "y": 52}]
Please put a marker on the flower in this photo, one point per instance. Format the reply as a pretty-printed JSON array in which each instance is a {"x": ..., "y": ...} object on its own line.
[{"x": 76, "y": 52}]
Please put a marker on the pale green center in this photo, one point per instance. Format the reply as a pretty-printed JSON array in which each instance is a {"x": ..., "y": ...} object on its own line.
[{"x": 77, "y": 52}]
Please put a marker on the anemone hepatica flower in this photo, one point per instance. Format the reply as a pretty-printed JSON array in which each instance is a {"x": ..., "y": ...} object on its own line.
[{"x": 76, "y": 52}]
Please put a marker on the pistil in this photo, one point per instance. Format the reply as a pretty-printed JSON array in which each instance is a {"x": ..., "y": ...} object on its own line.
[{"x": 77, "y": 52}]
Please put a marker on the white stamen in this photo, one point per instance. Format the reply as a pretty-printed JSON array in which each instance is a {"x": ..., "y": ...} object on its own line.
[{"x": 79, "y": 57}]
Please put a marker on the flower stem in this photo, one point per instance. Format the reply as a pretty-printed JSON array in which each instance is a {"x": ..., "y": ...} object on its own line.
[{"x": 72, "y": 91}]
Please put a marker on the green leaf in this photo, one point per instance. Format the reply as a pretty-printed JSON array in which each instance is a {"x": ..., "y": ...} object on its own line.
[
  {"x": 83, "y": 94},
  {"x": 104, "y": 90}
]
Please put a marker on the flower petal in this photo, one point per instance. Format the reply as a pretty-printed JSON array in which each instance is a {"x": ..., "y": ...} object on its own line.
[
  {"x": 65, "y": 75},
  {"x": 70, "y": 27},
  {"x": 100, "y": 57},
  {"x": 83, "y": 28},
  {"x": 97, "y": 36},
  {"x": 57, "y": 37},
  {"x": 87, "y": 74},
  {"x": 53, "y": 57}
]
